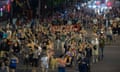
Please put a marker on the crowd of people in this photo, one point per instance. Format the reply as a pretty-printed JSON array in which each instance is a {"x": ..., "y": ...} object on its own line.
[{"x": 76, "y": 38}]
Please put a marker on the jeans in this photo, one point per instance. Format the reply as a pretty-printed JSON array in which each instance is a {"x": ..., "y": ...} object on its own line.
[
  {"x": 83, "y": 68},
  {"x": 110, "y": 37},
  {"x": 101, "y": 53},
  {"x": 61, "y": 69}
]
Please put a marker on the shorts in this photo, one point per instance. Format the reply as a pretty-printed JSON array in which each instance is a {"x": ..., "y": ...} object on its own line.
[{"x": 11, "y": 67}]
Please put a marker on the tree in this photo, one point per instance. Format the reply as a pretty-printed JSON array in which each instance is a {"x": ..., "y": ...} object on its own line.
[{"x": 48, "y": 6}]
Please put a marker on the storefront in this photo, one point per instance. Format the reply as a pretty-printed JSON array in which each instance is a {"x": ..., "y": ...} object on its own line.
[{"x": 4, "y": 9}]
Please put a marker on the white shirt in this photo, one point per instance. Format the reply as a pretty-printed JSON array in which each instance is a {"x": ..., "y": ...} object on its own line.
[
  {"x": 44, "y": 61},
  {"x": 39, "y": 50}
]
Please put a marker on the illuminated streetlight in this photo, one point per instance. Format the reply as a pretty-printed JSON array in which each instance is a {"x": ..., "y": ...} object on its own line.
[{"x": 1, "y": 11}]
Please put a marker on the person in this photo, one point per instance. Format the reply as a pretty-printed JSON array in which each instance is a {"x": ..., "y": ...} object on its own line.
[
  {"x": 114, "y": 30},
  {"x": 95, "y": 49},
  {"x": 45, "y": 63},
  {"x": 119, "y": 29},
  {"x": 3, "y": 47},
  {"x": 6, "y": 61},
  {"x": 88, "y": 50},
  {"x": 61, "y": 63},
  {"x": 13, "y": 63},
  {"x": 53, "y": 62},
  {"x": 16, "y": 48},
  {"x": 3, "y": 67},
  {"x": 109, "y": 33},
  {"x": 68, "y": 61},
  {"x": 82, "y": 63},
  {"x": 101, "y": 46},
  {"x": 1, "y": 34},
  {"x": 35, "y": 59}
]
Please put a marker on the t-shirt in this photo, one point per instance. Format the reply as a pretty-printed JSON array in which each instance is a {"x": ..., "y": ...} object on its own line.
[
  {"x": 3, "y": 70},
  {"x": 13, "y": 62},
  {"x": 5, "y": 35},
  {"x": 45, "y": 61},
  {"x": 101, "y": 42}
]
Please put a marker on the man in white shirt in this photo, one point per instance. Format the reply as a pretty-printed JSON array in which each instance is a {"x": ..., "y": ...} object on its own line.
[{"x": 45, "y": 63}]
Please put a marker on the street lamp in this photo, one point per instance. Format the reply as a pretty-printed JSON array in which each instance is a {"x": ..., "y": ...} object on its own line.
[{"x": 1, "y": 11}]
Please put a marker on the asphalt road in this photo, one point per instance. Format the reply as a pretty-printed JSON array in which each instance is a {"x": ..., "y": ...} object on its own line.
[{"x": 110, "y": 63}]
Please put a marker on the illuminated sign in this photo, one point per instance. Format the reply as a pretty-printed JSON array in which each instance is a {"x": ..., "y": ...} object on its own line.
[
  {"x": 109, "y": 4},
  {"x": 5, "y": 5}
]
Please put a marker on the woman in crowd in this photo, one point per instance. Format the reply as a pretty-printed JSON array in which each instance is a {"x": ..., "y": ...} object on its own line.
[
  {"x": 13, "y": 63},
  {"x": 82, "y": 63},
  {"x": 61, "y": 63},
  {"x": 45, "y": 63}
]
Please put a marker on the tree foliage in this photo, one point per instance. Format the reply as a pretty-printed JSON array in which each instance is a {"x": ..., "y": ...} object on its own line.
[{"x": 54, "y": 3}]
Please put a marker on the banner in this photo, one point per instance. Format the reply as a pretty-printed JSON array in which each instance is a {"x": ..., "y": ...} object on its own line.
[{"x": 65, "y": 28}]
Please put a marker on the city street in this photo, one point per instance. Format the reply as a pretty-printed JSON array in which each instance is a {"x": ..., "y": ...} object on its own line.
[
  {"x": 111, "y": 62},
  {"x": 59, "y": 36}
]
